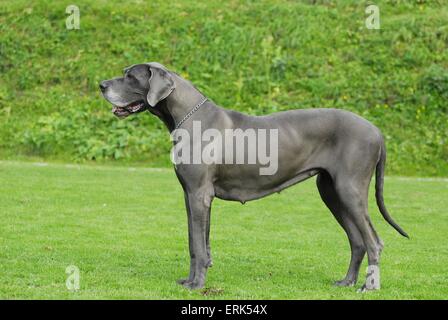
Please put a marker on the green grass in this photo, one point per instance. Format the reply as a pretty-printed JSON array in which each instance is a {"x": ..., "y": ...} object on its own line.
[
  {"x": 125, "y": 229},
  {"x": 254, "y": 56}
]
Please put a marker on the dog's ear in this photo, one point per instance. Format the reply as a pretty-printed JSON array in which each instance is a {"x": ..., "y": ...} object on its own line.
[{"x": 161, "y": 84}]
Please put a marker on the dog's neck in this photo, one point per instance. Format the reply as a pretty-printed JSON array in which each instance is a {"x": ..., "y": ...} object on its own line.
[
  {"x": 178, "y": 104},
  {"x": 183, "y": 99}
]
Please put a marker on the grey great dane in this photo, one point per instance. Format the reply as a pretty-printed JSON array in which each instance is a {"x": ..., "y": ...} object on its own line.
[{"x": 341, "y": 148}]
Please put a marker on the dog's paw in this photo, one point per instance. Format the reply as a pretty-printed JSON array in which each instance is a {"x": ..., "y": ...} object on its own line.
[
  {"x": 183, "y": 281},
  {"x": 366, "y": 288},
  {"x": 372, "y": 279},
  {"x": 362, "y": 289},
  {"x": 193, "y": 285},
  {"x": 345, "y": 283}
]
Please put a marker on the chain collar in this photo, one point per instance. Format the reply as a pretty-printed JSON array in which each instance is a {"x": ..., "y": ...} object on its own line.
[{"x": 190, "y": 113}]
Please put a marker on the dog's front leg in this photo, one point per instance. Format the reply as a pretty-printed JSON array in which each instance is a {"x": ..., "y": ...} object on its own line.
[
  {"x": 183, "y": 281},
  {"x": 198, "y": 208},
  {"x": 207, "y": 239}
]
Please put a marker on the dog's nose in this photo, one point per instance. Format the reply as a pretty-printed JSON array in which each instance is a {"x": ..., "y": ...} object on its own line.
[{"x": 103, "y": 85}]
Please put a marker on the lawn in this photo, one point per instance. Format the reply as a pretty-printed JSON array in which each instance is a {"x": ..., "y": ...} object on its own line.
[{"x": 126, "y": 230}]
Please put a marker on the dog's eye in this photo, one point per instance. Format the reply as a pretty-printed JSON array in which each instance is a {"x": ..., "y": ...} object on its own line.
[{"x": 130, "y": 76}]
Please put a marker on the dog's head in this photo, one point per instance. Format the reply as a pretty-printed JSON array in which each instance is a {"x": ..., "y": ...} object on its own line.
[{"x": 142, "y": 86}]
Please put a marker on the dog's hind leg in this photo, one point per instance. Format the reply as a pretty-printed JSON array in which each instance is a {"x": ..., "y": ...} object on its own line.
[
  {"x": 353, "y": 193},
  {"x": 332, "y": 201}
]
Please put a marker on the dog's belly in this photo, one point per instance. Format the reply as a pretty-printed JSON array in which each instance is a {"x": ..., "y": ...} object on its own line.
[{"x": 246, "y": 185}]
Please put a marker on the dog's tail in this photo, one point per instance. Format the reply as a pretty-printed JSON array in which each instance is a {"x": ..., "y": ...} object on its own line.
[{"x": 379, "y": 183}]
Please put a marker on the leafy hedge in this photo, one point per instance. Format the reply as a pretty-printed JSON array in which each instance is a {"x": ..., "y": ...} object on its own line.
[{"x": 253, "y": 56}]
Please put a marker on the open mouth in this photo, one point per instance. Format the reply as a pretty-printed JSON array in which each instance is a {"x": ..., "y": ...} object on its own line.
[{"x": 133, "y": 107}]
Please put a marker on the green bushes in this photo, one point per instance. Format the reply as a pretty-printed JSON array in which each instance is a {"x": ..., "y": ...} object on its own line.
[
  {"x": 86, "y": 134},
  {"x": 253, "y": 56}
]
